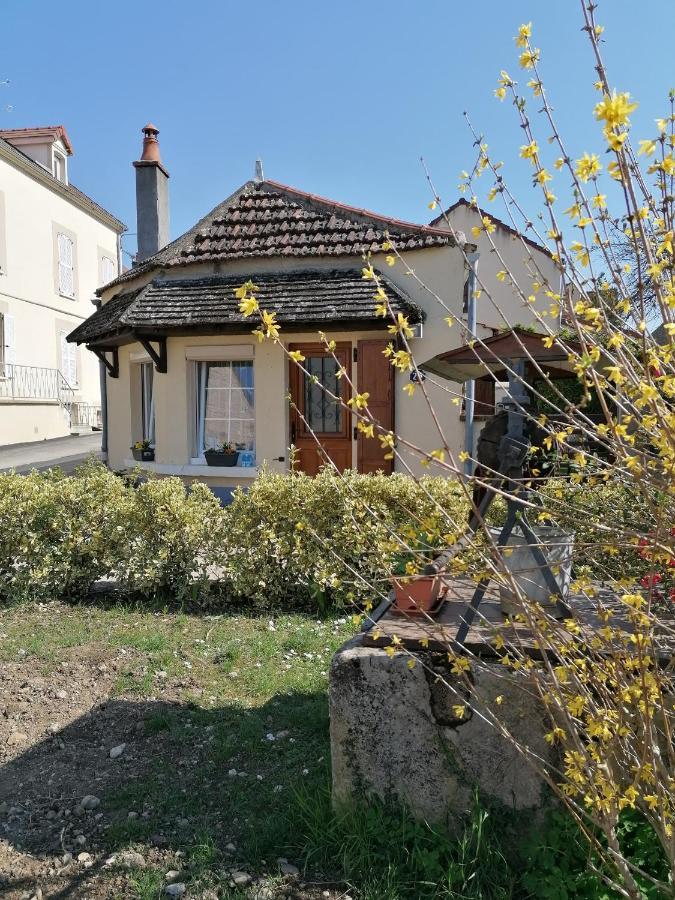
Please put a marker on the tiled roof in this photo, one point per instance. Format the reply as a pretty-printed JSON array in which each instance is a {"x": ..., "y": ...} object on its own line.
[
  {"x": 267, "y": 219},
  {"x": 186, "y": 304},
  {"x": 56, "y": 132}
]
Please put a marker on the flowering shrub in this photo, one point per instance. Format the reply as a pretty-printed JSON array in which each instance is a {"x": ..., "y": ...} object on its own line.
[
  {"x": 172, "y": 537},
  {"x": 304, "y": 541},
  {"x": 57, "y": 534}
]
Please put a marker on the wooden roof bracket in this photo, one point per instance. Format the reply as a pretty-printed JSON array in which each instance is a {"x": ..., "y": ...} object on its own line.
[
  {"x": 157, "y": 356},
  {"x": 112, "y": 366}
]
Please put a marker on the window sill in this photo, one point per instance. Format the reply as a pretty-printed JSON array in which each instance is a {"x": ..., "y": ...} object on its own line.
[{"x": 200, "y": 469}]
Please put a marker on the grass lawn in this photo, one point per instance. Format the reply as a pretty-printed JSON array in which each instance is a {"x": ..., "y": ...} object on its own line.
[{"x": 225, "y": 722}]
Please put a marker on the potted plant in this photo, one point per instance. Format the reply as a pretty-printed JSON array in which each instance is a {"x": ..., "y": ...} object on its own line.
[
  {"x": 226, "y": 454},
  {"x": 414, "y": 593},
  {"x": 143, "y": 452}
]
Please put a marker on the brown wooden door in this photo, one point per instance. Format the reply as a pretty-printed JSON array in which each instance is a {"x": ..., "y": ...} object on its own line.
[
  {"x": 317, "y": 416},
  {"x": 376, "y": 376}
]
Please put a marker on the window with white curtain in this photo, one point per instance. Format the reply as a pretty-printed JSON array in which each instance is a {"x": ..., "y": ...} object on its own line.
[
  {"x": 225, "y": 404},
  {"x": 148, "y": 402},
  {"x": 66, "y": 265}
]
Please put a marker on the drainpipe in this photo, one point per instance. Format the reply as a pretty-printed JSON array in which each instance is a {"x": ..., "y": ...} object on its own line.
[
  {"x": 104, "y": 398},
  {"x": 470, "y": 386}
]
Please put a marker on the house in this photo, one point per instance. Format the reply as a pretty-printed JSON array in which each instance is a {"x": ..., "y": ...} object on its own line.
[
  {"x": 185, "y": 371},
  {"x": 57, "y": 246}
]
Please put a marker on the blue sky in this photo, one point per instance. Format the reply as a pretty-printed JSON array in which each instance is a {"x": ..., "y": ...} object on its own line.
[{"x": 339, "y": 99}]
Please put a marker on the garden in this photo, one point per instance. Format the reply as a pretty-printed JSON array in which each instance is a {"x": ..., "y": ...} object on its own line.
[{"x": 169, "y": 658}]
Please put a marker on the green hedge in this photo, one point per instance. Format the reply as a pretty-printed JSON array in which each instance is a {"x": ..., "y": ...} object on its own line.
[{"x": 290, "y": 540}]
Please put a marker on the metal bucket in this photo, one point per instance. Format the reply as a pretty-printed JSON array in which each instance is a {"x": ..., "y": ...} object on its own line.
[{"x": 557, "y": 546}]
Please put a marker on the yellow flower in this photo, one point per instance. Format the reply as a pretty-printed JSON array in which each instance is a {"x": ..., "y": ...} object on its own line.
[
  {"x": 588, "y": 166},
  {"x": 367, "y": 273},
  {"x": 500, "y": 276},
  {"x": 296, "y": 356},
  {"x": 599, "y": 201},
  {"x": 614, "y": 109},
  {"x": 360, "y": 401},
  {"x": 248, "y": 305},
  {"x": 528, "y": 58},
  {"x": 524, "y": 33},
  {"x": 463, "y": 456},
  {"x": 647, "y": 148},
  {"x": 390, "y": 260},
  {"x": 500, "y": 93},
  {"x": 459, "y": 710},
  {"x": 529, "y": 151},
  {"x": 433, "y": 204},
  {"x": 244, "y": 289}
]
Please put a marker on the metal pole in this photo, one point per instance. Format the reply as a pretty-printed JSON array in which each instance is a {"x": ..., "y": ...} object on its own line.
[{"x": 470, "y": 387}]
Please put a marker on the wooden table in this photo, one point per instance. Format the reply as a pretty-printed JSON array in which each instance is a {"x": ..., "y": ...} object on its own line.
[{"x": 418, "y": 632}]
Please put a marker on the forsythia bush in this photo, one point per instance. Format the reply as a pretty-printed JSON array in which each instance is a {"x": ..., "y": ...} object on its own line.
[
  {"x": 290, "y": 540},
  {"x": 305, "y": 541},
  {"x": 59, "y": 534},
  {"x": 172, "y": 538}
]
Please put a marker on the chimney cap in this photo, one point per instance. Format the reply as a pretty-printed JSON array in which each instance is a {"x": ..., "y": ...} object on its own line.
[{"x": 150, "y": 144}]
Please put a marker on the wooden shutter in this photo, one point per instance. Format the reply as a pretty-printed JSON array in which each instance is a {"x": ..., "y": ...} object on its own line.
[
  {"x": 484, "y": 398},
  {"x": 66, "y": 274},
  {"x": 376, "y": 376}
]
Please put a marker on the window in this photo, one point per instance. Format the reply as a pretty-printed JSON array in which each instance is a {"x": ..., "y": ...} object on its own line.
[
  {"x": 68, "y": 360},
  {"x": 66, "y": 265},
  {"x": 108, "y": 270},
  {"x": 148, "y": 403},
  {"x": 225, "y": 405},
  {"x": 322, "y": 414}
]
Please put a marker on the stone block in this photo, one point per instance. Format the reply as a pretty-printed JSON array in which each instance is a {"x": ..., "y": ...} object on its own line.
[{"x": 396, "y": 736}]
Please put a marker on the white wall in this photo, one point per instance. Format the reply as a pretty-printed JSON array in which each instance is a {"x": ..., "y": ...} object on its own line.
[{"x": 28, "y": 284}]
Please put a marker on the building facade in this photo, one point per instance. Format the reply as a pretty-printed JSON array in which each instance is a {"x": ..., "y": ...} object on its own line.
[
  {"x": 57, "y": 246},
  {"x": 185, "y": 373}
]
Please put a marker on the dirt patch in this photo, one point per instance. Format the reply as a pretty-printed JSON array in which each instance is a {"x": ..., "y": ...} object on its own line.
[{"x": 86, "y": 767}]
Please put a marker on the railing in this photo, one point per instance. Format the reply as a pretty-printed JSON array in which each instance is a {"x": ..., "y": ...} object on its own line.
[
  {"x": 85, "y": 415},
  {"x": 34, "y": 383}
]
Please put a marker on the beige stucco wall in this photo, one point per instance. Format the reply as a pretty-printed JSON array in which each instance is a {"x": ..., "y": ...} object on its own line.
[
  {"x": 440, "y": 271},
  {"x": 31, "y": 212},
  {"x": 31, "y": 421},
  {"x": 500, "y": 304}
]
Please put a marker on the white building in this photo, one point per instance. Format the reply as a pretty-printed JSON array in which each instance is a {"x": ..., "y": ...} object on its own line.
[{"x": 57, "y": 246}]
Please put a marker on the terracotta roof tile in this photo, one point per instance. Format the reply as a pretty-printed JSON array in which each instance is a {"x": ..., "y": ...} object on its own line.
[{"x": 268, "y": 219}]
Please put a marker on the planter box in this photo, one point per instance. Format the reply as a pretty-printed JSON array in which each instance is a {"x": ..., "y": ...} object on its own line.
[
  {"x": 216, "y": 458},
  {"x": 143, "y": 455},
  {"x": 417, "y": 595}
]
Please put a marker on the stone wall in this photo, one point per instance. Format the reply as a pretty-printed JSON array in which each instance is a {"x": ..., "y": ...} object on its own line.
[{"x": 395, "y": 735}]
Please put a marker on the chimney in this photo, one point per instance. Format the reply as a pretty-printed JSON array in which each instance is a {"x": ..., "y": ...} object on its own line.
[{"x": 152, "y": 197}]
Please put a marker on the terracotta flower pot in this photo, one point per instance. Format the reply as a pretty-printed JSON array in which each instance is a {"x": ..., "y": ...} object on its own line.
[{"x": 416, "y": 595}]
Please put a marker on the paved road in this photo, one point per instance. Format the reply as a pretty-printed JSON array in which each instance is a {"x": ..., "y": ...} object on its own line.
[{"x": 67, "y": 452}]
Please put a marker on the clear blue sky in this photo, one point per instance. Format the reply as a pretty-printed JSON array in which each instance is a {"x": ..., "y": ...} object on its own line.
[{"x": 339, "y": 99}]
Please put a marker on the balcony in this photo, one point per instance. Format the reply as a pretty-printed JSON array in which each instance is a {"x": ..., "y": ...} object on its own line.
[{"x": 40, "y": 384}]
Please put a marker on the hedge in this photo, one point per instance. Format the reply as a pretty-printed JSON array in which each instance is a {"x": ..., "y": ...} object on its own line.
[{"x": 290, "y": 540}]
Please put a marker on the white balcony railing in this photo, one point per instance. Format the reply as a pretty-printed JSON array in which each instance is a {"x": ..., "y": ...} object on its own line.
[{"x": 34, "y": 383}]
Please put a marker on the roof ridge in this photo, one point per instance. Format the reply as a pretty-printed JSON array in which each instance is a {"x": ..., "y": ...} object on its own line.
[{"x": 365, "y": 213}]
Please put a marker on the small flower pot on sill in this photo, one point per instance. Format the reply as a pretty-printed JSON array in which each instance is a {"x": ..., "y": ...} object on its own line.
[
  {"x": 218, "y": 458},
  {"x": 416, "y": 596},
  {"x": 147, "y": 455}
]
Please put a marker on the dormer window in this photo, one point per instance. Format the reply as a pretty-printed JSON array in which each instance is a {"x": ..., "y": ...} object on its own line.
[{"x": 59, "y": 170}]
